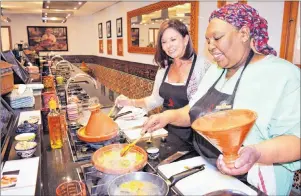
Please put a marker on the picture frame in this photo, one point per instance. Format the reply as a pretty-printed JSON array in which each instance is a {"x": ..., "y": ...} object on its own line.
[
  {"x": 135, "y": 36},
  {"x": 47, "y": 38},
  {"x": 100, "y": 35},
  {"x": 108, "y": 29},
  {"x": 119, "y": 27}
]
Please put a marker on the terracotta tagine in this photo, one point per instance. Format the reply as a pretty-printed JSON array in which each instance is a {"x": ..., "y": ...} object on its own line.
[
  {"x": 100, "y": 127},
  {"x": 226, "y": 130}
]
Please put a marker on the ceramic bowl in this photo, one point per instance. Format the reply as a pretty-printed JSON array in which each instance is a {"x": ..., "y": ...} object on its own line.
[
  {"x": 27, "y": 127},
  {"x": 25, "y": 149},
  {"x": 25, "y": 137},
  {"x": 153, "y": 152}
]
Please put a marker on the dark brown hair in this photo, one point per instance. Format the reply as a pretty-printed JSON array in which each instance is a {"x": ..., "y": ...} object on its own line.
[{"x": 161, "y": 58}]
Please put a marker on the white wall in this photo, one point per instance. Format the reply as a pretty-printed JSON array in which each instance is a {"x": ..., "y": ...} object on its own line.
[
  {"x": 83, "y": 31},
  {"x": 78, "y": 29}
]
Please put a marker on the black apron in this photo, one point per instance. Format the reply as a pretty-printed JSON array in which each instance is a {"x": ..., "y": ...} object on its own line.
[
  {"x": 213, "y": 101},
  {"x": 175, "y": 97}
]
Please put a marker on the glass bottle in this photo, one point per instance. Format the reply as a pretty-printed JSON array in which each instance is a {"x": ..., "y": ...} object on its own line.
[
  {"x": 54, "y": 126},
  {"x": 63, "y": 124}
]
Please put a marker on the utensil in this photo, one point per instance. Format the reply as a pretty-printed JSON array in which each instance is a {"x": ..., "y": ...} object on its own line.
[
  {"x": 134, "y": 127},
  {"x": 112, "y": 110},
  {"x": 121, "y": 114},
  {"x": 161, "y": 186},
  {"x": 150, "y": 139},
  {"x": 173, "y": 157},
  {"x": 129, "y": 146}
]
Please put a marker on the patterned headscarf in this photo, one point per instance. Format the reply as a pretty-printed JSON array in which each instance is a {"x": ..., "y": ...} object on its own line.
[{"x": 240, "y": 15}]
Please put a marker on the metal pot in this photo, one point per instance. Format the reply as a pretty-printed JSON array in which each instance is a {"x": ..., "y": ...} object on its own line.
[
  {"x": 226, "y": 192},
  {"x": 162, "y": 186}
]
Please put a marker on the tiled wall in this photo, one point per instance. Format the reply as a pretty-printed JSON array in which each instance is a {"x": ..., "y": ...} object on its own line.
[{"x": 146, "y": 71}]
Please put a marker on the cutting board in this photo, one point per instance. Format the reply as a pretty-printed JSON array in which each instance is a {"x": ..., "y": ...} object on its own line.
[
  {"x": 203, "y": 182},
  {"x": 132, "y": 134}
]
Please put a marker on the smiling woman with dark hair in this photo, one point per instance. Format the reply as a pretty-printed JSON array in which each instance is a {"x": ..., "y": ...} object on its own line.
[
  {"x": 248, "y": 75},
  {"x": 180, "y": 72}
]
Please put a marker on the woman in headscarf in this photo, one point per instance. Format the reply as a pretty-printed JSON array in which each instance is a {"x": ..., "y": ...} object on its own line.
[{"x": 248, "y": 75}]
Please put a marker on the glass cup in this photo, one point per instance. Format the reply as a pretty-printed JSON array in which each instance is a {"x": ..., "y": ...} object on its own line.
[{"x": 74, "y": 188}]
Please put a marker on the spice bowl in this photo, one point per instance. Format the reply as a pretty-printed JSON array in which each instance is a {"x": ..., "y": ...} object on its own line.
[
  {"x": 25, "y": 149},
  {"x": 25, "y": 137},
  {"x": 153, "y": 152}
]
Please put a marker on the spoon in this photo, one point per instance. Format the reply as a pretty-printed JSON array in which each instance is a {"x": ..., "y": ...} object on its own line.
[
  {"x": 112, "y": 109},
  {"x": 125, "y": 149}
]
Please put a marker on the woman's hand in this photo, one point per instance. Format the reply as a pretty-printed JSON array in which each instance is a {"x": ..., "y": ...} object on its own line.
[
  {"x": 248, "y": 156},
  {"x": 155, "y": 122},
  {"x": 122, "y": 100}
]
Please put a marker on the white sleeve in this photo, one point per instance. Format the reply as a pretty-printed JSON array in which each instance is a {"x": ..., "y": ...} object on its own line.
[
  {"x": 200, "y": 68},
  {"x": 155, "y": 100}
]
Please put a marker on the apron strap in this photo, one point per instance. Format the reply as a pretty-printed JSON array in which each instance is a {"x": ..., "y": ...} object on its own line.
[
  {"x": 251, "y": 54},
  {"x": 191, "y": 70}
]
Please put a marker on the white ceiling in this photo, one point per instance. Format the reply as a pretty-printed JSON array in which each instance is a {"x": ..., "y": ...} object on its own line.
[{"x": 36, "y": 7}]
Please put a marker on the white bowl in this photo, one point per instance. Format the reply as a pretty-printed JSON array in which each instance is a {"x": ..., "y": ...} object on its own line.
[
  {"x": 26, "y": 137},
  {"x": 26, "y": 149}
]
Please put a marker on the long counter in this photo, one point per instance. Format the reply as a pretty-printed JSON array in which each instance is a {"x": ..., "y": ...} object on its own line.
[{"x": 57, "y": 165}]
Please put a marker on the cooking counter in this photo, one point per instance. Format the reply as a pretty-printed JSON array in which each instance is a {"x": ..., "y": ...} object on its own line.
[{"x": 57, "y": 165}]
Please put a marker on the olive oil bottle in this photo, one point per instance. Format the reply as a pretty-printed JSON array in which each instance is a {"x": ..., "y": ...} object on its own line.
[{"x": 54, "y": 126}]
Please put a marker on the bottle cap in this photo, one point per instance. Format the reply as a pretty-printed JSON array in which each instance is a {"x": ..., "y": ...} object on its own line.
[{"x": 52, "y": 104}]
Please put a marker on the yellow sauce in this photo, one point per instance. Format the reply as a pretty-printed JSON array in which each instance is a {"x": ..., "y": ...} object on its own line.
[
  {"x": 113, "y": 159},
  {"x": 139, "y": 188}
]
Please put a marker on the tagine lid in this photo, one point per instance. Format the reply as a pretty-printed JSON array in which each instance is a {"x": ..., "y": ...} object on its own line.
[
  {"x": 224, "y": 120},
  {"x": 100, "y": 127}
]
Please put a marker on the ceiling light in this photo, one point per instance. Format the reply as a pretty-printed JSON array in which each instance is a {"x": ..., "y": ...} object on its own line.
[
  {"x": 79, "y": 3},
  {"x": 47, "y": 6},
  {"x": 75, "y": 8}
]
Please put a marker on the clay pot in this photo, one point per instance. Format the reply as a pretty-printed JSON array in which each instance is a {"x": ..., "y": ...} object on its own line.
[
  {"x": 226, "y": 130},
  {"x": 110, "y": 169},
  {"x": 100, "y": 127}
]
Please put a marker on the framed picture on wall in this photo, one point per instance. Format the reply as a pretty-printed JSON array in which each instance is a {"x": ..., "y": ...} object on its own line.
[
  {"x": 119, "y": 27},
  {"x": 100, "y": 30},
  {"x": 47, "y": 38},
  {"x": 135, "y": 36},
  {"x": 108, "y": 25}
]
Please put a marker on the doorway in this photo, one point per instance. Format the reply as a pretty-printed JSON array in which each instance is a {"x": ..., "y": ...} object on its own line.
[{"x": 6, "y": 41}]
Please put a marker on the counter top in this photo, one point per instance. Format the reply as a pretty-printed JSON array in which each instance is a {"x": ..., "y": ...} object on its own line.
[{"x": 57, "y": 165}]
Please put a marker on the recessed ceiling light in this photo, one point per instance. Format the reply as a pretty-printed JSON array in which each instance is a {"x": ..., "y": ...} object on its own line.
[
  {"x": 79, "y": 3},
  {"x": 75, "y": 8}
]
